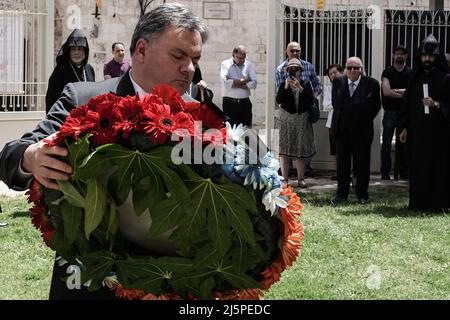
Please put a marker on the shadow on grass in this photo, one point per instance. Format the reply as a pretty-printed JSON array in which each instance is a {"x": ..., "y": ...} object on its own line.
[
  {"x": 389, "y": 202},
  {"x": 21, "y": 214}
]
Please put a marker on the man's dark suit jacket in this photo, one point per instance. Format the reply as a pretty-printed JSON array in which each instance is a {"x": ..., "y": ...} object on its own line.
[
  {"x": 367, "y": 103},
  {"x": 73, "y": 95}
]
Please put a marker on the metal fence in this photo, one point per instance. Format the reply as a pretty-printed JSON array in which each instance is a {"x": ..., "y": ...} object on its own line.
[
  {"x": 23, "y": 54},
  {"x": 409, "y": 28},
  {"x": 328, "y": 37}
]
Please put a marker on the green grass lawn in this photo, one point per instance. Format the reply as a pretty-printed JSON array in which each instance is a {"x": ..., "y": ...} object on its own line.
[{"x": 375, "y": 251}]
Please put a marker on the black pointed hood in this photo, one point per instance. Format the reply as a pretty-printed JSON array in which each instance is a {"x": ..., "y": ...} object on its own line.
[
  {"x": 75, "y": 39},
  {"x": 430, "y": 45}
]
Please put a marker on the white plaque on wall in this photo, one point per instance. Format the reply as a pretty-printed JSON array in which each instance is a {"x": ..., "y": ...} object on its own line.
[{"x": 217, "y": 10}]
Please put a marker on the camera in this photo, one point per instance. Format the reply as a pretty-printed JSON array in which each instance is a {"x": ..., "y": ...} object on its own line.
[{"x": 292, "y": 74}]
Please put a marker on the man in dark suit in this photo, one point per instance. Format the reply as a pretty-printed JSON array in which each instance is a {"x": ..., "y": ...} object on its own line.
[
  {"x": 165, "y": 48},
  {"x": 356, "y": 102}
]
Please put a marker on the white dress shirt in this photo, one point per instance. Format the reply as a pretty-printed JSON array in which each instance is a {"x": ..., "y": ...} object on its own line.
[
  {"x": 355, "y": 82},
  {"x": 137, "y": 88},
  {"x": 327, "y": 103},
  {"x": 230, "y": 71}
]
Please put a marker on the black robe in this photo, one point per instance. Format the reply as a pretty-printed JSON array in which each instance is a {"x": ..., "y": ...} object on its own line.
[
  {"x": 65, "y": 72},
  {"x": 428, "y": 142}
]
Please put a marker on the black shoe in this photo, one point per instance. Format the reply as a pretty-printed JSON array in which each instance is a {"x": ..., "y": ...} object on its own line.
[
  {"x": 385, "y": 177},
  {"x": 338, "y": 200},
  {"x": 362, "y": 201}
]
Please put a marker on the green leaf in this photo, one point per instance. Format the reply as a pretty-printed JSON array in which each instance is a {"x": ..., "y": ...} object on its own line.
[
  {"x": 207, "y": 256},
  {"x": 150, "y": 274},
  {"x": 78, "y": 150},
  {"x": 165, "y": 215},
  {"x": 58, "y": 243},
  {"x": 95, "y": 206},
  {"x": 224, "y": 208},
  {"x": 239, "y": 280},
  {"x": 113, "y": 224},
  {"x": 206, "y": 288},
  {"x": 97, "y": 265},
  {"x": 71, "y": 194},
  {"x": 94, "y": 165},
  {"x": 133, "y": 166},
  {"x": 148, "y": 193},
  {"x": 72, "y": 217}
]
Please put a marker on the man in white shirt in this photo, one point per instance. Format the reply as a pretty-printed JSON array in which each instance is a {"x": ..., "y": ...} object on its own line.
[{"x": 238, "y": 76}]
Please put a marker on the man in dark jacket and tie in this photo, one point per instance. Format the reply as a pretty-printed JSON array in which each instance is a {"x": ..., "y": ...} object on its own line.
[
  {"x": 165, "y": 48},
  {"x": 356, "y": 103}
]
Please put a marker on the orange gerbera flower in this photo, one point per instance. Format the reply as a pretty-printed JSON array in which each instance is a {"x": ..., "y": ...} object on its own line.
[{"x": 128, "y": 294}]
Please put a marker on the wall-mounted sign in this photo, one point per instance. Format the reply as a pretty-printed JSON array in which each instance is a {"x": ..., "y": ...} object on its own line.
[{"x": 217, "y": 10}]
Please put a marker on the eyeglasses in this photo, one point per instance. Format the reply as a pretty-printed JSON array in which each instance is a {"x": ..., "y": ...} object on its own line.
[
  {"x": 350, "y": 68},
  {"x": 294, "y": 51},
  {"x": 291, "y": 69}
]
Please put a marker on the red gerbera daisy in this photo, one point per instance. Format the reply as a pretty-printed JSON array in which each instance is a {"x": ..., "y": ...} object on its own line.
[
  {"x": 42, "y": 222},
  {"x": 170, "y": 96},
  {"x": 159, "y": 123},
  {"x": 103, "y": 121},
  {"x": 131, "y": 109},
  {"x": 98, "y": 100},
  {"x": 34, "y": 193},
  {"x": 210, "y": 119}
]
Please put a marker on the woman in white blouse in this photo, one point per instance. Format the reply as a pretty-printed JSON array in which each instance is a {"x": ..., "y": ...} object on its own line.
[{"x": 333, "y": 71}]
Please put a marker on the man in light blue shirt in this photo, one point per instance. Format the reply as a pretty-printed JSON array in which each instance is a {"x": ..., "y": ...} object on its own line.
[
  {"x": 238, "y": 76},
  {"x": 293, "y": 50}
]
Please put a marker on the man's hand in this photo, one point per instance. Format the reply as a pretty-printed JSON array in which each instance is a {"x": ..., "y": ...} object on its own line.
[
  {"x": 46, "y": 168},
  {"x": 403, "y": 136},
  {"x": 430, "y": 103},
  {"x": 241, "y": 83}
]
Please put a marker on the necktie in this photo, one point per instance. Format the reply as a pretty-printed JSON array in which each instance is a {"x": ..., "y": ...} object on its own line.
[{"x": 352, "y": 88}]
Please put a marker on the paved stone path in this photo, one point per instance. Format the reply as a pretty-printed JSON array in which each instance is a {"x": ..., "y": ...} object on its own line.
[{"x": 317, "y": 184}]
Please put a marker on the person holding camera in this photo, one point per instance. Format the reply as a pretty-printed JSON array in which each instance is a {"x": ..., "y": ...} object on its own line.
[{"x": 292, "y": 121}]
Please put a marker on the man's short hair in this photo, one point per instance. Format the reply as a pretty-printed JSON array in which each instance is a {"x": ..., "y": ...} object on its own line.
[
  {"x": 115, "y": 44},
  {"x": 154, "y": 23},
  {"x": 400, "y": 48},
  {"x": 239, "y": 49},
  {"x": 335, "y": 65}
]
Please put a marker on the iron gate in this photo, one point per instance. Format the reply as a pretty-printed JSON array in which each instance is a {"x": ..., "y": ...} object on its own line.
[
  {"x": 22, "y": 54},
  {"x": 328, "y": 37}
]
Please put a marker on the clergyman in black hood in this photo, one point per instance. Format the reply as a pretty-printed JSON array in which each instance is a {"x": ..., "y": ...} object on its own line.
[
  {"x": 424, "y": 125},
  {"x": 71, "y": 66}
]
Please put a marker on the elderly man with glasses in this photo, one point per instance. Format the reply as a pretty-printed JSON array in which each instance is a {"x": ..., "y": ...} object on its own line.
[{"x": 356, "y": 102}]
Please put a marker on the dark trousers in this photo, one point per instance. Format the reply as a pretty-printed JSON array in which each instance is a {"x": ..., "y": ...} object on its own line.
[
  {"x": 389, "y": 118},
  {"x": 400, "y": 164},
  {"x": 357, "y": 146},
  {"x": 238, "y": 110}
]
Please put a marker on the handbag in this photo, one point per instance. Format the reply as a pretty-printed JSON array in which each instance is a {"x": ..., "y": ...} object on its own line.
[{"x": 314, "y": 111}]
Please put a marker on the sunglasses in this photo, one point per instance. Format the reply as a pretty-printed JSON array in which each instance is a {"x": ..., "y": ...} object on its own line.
[
  {"x": 294, "y": 50},
  {"x": 350, "y": 68}
]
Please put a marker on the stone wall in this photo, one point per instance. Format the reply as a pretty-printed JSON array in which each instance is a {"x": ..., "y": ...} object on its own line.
[{"x": 247, "y": 26}]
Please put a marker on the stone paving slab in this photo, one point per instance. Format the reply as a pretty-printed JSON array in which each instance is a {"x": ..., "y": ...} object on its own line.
[
  {"x": 325, "y": 184},
  {"x": 317, "y": 184}
]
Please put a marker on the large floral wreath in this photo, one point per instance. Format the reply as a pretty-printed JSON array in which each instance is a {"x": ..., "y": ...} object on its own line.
[{"x": 218, "y": 230}]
